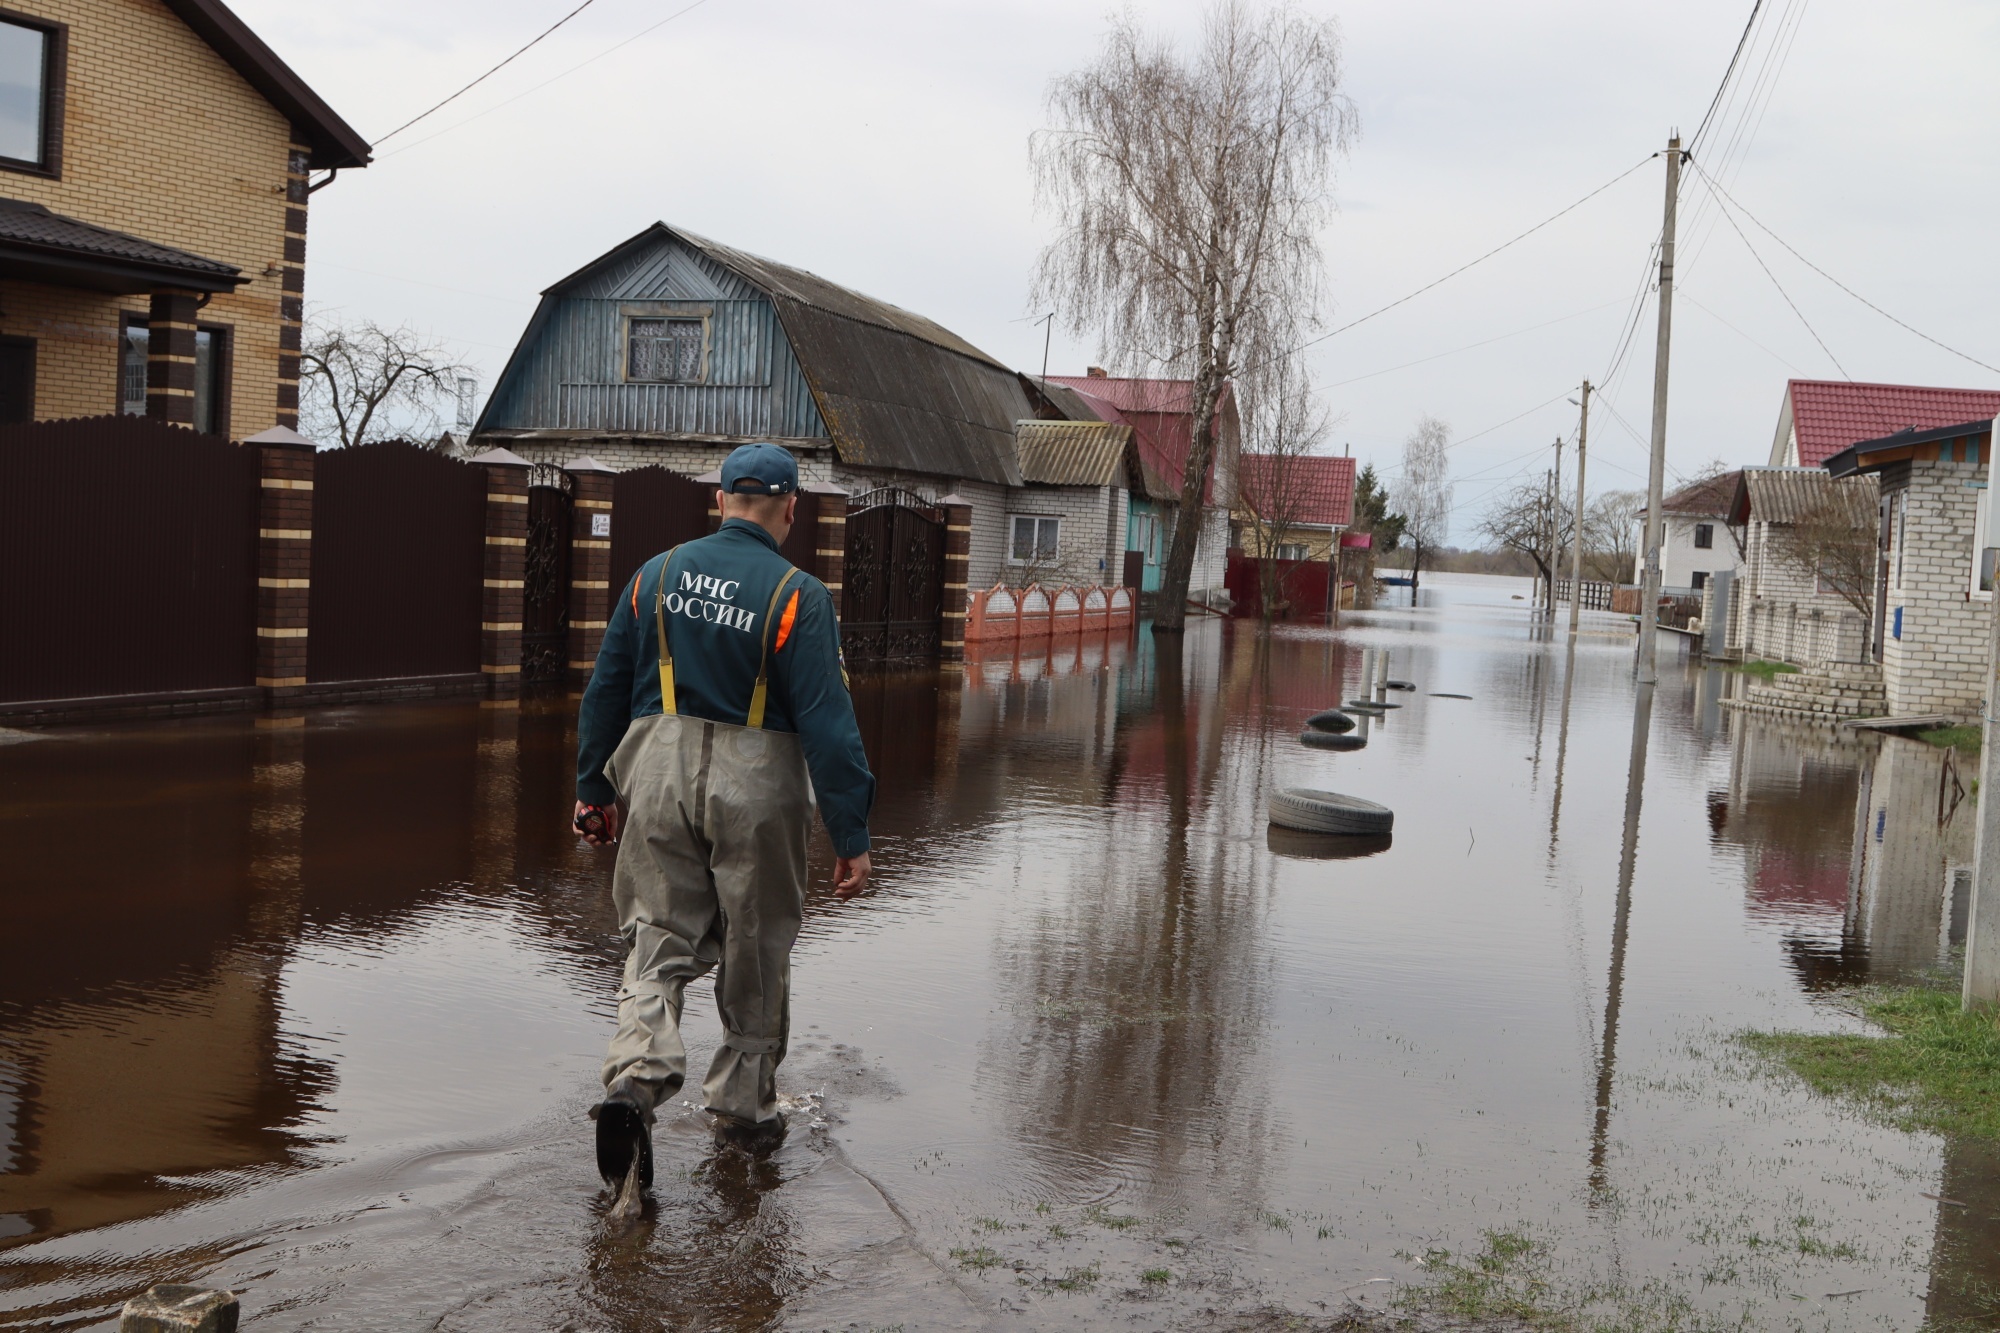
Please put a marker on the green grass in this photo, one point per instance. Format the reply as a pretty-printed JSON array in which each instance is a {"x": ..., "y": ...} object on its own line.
[
  {"x": 1935, "y": 1068},
  {"x": 1156, "y": 1275},
  {"x": 976, "y": 1259},
  {"x": 1966, "y": 738},
  {"x": 1510, "y": 1284},
  {"x": 1764, "y": 670}
]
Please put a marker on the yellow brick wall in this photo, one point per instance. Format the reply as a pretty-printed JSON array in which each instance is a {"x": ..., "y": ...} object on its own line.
[{"x": 161, "y": 139}]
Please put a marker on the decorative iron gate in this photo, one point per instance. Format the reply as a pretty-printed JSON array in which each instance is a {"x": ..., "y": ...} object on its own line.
[
  {"x": 545, "y": 600},
  {"x": 894, "y": 592}
]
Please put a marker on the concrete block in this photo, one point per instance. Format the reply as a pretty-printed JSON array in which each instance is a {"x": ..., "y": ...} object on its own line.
[{"x": 171, "y": 1308}]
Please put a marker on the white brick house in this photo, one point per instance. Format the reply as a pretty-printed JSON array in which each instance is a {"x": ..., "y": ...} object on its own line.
[
  {"x": 1066, "y": 522},
  {"x": 1697, "y": 542},
  {"x": 1934, "y": 619},
  {"x": 1778, "y": 610}
]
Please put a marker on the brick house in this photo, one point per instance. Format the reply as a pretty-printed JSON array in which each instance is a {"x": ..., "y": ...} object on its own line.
[
  {"x": 154, "y": 161},
  {"x": 1066, "y": 522},
  {"x": 1696, "y": 542},
  {"x": 1933, "y": 609},
  {"x": 1778, "y": 611}
]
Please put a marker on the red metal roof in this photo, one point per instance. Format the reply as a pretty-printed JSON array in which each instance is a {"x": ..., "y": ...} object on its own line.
[
  {"x": 1829, "y": 415},
  {"x": 1324, "y": 486},
  {"x": 1161, "y": 415}
]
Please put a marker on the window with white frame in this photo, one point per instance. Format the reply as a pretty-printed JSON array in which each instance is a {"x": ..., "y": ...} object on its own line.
[
  {"x": 1035, "y": 540},
  {"x": 1293, "y": 551}
]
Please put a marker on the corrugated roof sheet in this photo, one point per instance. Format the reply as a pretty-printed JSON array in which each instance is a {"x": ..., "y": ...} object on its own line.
[
  {"x": 1830, "y": 415},
  {"x": 1161, "y": 415},
  {"x": 1072, "y": 453},
  {"x": 1787, "y": 494},
  {"x": 34, "y": 226},
  {"x": 1322, "y": 488}
]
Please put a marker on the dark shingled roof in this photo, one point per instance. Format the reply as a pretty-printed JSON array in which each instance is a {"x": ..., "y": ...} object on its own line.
[{"x": 36, "y": 242}]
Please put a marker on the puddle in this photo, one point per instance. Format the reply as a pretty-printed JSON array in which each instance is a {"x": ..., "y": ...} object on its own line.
[{"x": 316, "y": 1013}]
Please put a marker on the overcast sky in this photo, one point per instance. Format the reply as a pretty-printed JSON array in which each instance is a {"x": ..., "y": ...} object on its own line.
[{"x": 885, "y": 146}]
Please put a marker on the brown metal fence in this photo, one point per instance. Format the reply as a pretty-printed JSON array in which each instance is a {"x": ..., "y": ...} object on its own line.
[
  {"x": 398, "y": 559},
  {"x": 140, "y": 587},
  {"x": 651, "y": 510}
]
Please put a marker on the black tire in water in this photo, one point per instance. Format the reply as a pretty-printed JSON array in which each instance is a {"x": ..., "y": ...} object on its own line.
[
  {"x": 1329, "y": 740},
  {"x": 1330, "y": 720},
  {"x": 1369, "y": 706},
  {"x": 1399, "y": 685},
  {"x": 1311, "y": 811}
]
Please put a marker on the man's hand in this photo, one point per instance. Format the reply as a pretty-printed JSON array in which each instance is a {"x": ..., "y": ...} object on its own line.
[
  {"x": 850, "y": 875},
  {"x": 612, "y": 820}
]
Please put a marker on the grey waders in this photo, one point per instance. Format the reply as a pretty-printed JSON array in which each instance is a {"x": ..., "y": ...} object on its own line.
[{"x": 711, "y": 873}]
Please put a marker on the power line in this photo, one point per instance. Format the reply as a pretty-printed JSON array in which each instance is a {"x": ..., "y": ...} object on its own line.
[
  {"x": 489, "y": 73},
  {"x": 615, "y": 46},
  {"x": 1730, "y": 217},
  {"x": 1727, "y": 74},
  {"x": 1469, "y": 346},
  {"x": 1401, "y": 300},
  {"x": 1741, "y": 334},
  {"x": 1727, "y": 198}
]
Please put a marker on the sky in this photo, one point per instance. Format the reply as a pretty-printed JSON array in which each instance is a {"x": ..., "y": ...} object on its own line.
[{"x": 885, "y": 146}]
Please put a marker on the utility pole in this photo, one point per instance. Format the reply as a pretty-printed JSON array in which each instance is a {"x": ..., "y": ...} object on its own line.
[
  {"x": 1982, "y": 936},
  {"x": 1649, "y": 593},
  {"x": 1555, "y": 526},
  {"x": 1576, "y": 536}
]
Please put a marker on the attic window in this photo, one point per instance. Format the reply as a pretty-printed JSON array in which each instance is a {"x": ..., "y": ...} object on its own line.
[
  {"x": 664, "y": 351},
  {"x": 31, "y": 78}
]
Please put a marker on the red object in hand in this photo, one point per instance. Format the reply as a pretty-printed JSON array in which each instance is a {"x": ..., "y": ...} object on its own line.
[{"x": 590, "y": 822}]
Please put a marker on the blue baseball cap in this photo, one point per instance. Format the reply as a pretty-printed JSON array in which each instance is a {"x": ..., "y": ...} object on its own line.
[{"x": 760, "y": 469}]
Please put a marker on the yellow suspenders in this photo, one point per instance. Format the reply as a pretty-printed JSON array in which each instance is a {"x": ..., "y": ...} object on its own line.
[{"x": 758, "y": 691}]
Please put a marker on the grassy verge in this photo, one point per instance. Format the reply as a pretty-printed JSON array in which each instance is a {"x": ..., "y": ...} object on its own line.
[
  {"x": 1510, "y": 1284},
  {"x": 1935, "y": 1067},
  {"x": 1764, "y": 670},
  {"x": 1965, "y": 739}
]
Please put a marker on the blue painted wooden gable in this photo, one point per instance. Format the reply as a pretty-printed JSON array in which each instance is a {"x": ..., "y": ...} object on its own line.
[{"x": 568, "y": 373}]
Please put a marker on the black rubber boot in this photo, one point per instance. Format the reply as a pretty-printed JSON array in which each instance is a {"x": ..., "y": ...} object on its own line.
[{"x": 624, "y": 1128}]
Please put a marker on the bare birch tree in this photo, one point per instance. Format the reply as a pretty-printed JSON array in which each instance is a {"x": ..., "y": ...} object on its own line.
[
  {"x": 1423, "y": 492},
  {"x": 1832, "y": 541},
  {"x": 1189, "y": 190},
  {"x": 359, "y": 383}
]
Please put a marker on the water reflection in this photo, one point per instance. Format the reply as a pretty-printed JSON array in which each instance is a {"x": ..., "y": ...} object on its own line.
[{"x": 315, "y": 1010}]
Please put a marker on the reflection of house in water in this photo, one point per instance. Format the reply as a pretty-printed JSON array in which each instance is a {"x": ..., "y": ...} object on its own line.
[{"x": 1854, "y": 845}]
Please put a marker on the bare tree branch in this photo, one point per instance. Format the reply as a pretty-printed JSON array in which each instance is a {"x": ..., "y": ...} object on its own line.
[
  {"x": 1189, "y": 192},
  {"x": 359, "y": 383}
]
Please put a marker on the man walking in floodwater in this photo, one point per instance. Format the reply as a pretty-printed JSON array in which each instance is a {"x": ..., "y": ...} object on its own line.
[{"x": 718, "y": 691}]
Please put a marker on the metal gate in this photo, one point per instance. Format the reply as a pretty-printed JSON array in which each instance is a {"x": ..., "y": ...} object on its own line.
[
  {"x": 545, "y": 587},
  {"x": 653, "y": 509},
  {"x": 894, "y": 591}
]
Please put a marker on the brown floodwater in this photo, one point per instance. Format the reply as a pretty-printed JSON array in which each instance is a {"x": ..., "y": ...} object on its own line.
[{"x": 315, "y": 1012}]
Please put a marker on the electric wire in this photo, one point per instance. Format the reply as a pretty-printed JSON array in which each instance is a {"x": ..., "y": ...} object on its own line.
[
  {"x": 488, "y": 74},
  {"x": 1728, "y": 201},
  {"x": 1755, "y": 9},
  {"x": 525, "y": 92},
  {"x": 1729, "y": 216}
]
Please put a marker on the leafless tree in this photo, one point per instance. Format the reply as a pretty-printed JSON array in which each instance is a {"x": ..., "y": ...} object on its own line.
[
  {"x": 1189, "y": 191},
  {"x": 1833, "y": 542},
  {"x": 1610, "y": 535},
  {"x": 1287, "y": 422},
  {"x": 1423, "y": 492},
  {"x": 1532, "y": 519},
  {"x": 360, "y": 382}
]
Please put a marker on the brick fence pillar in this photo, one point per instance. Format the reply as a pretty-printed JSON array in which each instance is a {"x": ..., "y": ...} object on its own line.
[
  {"x": 284, "y": 559},
  {"x": 957, "y": 570},
  {"x": 590, "y": 590},
  {"x": 170, "y": 334},
  {"x": 829, "y": 564},
  {"x": 506, "y": 572}
]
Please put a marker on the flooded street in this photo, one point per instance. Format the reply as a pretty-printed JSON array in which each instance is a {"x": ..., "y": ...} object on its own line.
[{"x": 315, "y": 1012}]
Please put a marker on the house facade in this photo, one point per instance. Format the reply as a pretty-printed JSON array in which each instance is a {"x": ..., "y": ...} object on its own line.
[
  {"x": 1292, "y": 508},
  {"x": 1696, "y": 542},
  {"x": 1934, "y": 603},
  {"x": 1066, "y": 522},
  {"x": 672, "y": 350},
  {"x": 1161, "y": 415},
  {"x": 1779, "y": 610},
  {"x": 155, "y": 163}
]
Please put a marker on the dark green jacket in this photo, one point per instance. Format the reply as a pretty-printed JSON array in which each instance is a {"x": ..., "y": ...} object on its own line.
[{"x": 718, "y": 600}]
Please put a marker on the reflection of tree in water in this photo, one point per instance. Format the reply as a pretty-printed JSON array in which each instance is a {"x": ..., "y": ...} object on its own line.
[
  {"x": 1965, "y": 1255},
  {"x": 1139, "y": 996}
]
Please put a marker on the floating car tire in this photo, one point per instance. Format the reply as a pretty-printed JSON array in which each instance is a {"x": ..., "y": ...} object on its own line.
[
  {"x": 1311, "y": 811},
  {"x": 1330, "y": 720},
  {"x": 1330, "y": 740},
  {"x": 1451, "y": 696},
  {"x": 1369, "y": 706},
  {"x": 1399, "y": 685}
]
